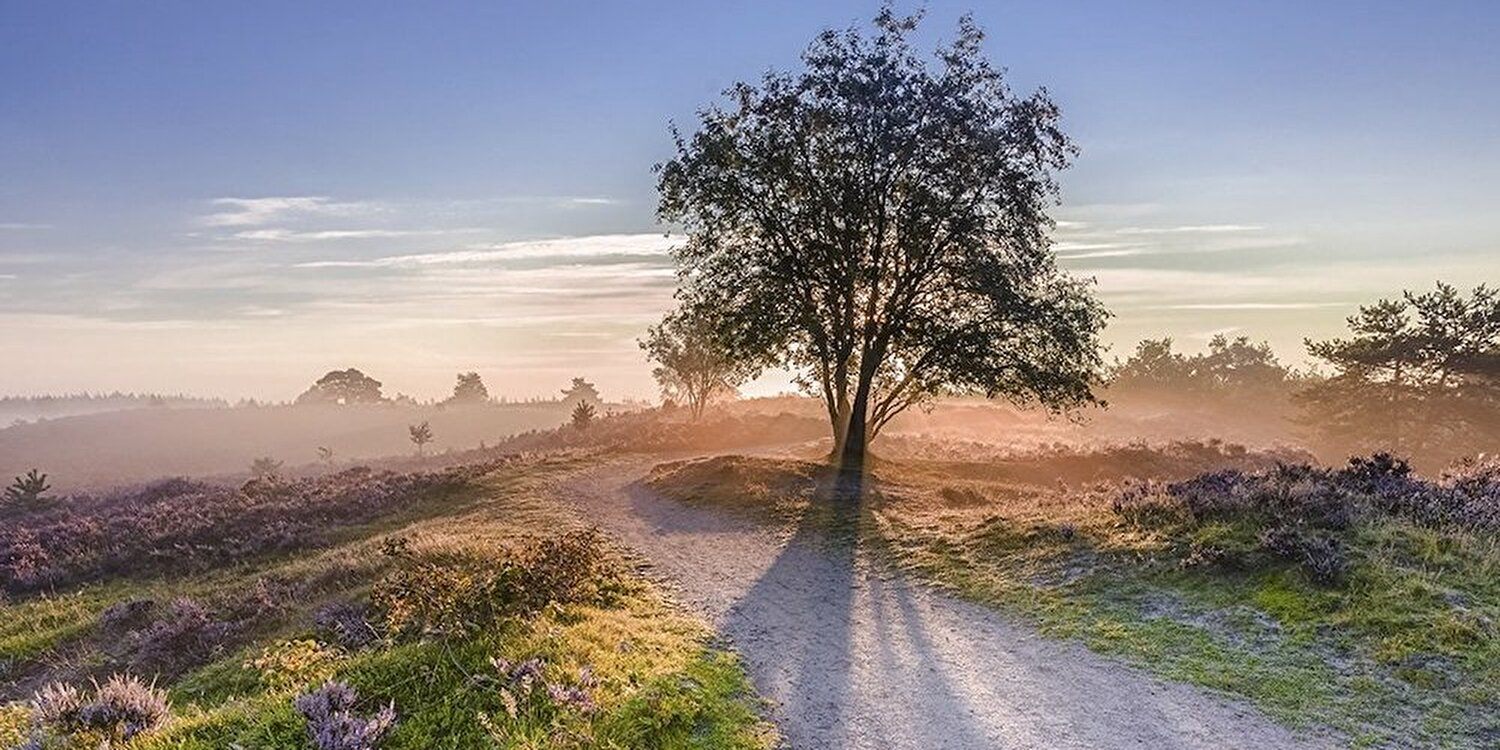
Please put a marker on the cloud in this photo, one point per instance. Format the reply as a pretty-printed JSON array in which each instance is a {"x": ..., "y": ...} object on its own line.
[
  {"x": 248, "y": 212},
  {"x": 8, "y": 277},
  {"x": 577, "y": 248},
  {"x": 20, "y": 225},
  {"x": 1252, "y": 306},
  {"x": 1191, "y": 229},
  {"x": 292, "y": 235}
]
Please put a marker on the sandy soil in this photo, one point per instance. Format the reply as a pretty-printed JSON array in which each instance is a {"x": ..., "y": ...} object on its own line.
[{"x": 854, "y": 655}]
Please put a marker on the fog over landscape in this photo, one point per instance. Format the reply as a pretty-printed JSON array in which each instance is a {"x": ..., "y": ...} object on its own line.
[{"x": 845, "y": 375}]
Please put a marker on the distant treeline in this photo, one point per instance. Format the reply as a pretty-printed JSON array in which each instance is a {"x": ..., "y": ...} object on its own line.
[
  {"x": 1418, "y": 375},
  {"x": 74, "y": 404}
]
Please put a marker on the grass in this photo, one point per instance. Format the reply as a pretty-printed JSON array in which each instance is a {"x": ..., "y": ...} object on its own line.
[
  {"x": 660, "y": 683},
  {"x": 1403, "y": 653}
]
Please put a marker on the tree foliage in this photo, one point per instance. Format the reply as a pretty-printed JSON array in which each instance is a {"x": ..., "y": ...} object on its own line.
[
  {"x": 1231, "y": 367},
  {"x": 28, "y": 489},
  {"x": 265, "y": 467},
  {"x": 343, "y": 387},
  {"x": 1419, "y": 374},
  {"x": 420, "y": 435},
  {"x": 583, "y": 415},
  {"x": 581, "y": 391},
  {"x": 693, "y": 366},
  {"x": 469, "y": 389},
  {"x": 878, "y": 225}
]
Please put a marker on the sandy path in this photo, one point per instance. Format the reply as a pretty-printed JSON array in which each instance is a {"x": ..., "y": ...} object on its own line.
[{"x": 854, "y": 655}]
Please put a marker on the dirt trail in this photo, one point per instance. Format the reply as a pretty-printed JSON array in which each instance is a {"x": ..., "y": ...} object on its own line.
[{"x": 855, "y": 655}]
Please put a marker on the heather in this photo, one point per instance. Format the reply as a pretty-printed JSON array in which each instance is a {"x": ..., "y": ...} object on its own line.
[
  {"x": 183, "y": 525},
  {"x": 384, "y": 631}
]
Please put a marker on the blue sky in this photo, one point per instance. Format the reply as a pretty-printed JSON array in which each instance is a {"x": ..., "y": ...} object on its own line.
[{"x": 231, "y": 200}]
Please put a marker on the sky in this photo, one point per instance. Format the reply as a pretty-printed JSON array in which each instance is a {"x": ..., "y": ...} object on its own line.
[{"x": 230, "y": 200}]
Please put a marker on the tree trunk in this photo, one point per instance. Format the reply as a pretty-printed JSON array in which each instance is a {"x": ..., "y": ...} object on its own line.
[{"x": 856, "y": 437}]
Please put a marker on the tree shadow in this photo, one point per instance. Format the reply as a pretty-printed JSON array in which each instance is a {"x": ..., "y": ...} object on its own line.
[{"x": 833, "y": 641}]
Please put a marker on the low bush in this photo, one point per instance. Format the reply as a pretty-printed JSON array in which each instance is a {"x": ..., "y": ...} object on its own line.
[
  {"x": 332, "y": 723},
  {"x": 345, "y": 624},
  {"x": 1300, "y": 512},
  {"x": 114, "y": 713},
  {"x": 429, "y": 595},
  {"x": 292, "y": 664}
]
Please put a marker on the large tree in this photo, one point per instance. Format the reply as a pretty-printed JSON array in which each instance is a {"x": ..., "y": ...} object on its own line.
[
  {"x": 343, "y": 387},
  {"x": 878, "y": 224},
  {"x": 470, "y": 389}
]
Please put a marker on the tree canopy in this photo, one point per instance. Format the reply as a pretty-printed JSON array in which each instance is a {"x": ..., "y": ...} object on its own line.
[
  {"x": 693, "y": 366},
  {"x": 1230, "y": 365},
  {"x": 470, "y": 389},
  {"x": 1420, "y": 374},
  {"x": 878, "y": 224},
  {"x": 581, "y": 391},
  {"x": 343, "y": 387}
]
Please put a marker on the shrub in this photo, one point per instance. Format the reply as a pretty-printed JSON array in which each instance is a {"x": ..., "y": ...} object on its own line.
[
  {"x": 118, "y": 711},
  {"x": 185, "y": 636},
  {"x": 332, "y": 723},
  {"x": 295, "y": 663},
  {"x": 429, "y": 596},
  {"x": 345, "y": 624}
]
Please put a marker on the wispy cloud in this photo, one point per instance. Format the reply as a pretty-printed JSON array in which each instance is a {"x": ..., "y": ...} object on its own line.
[
  {"x": 320, "y": 235},
  {"x": 21, "y": 225},
  {"x": 1191, "y": 229},
  {"x": 1251, "y": 306},
  {"x": 247, "y": 212},
  {"x": 598, "y": 246}
]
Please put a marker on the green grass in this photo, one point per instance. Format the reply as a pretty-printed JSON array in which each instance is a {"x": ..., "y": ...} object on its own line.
[{"x": 661, "y": 684}]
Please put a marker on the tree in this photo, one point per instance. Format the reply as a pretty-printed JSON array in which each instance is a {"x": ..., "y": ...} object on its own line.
[
  {"x": 421, "y": 435},
  {"x": 581, "y": 391},
  {"x": 583, "y": 415},
  {"x": 28, "y": 490},
  {"x": 469, "y": 389},
  {"x": 879, "y": 227},
  {"x": 325, "y": 455},
  {"x": 693, "y": 367},
  {"x": 343, "y": 387},
  {"x": 1419, "y": 374},
  {"x": 265, "y": 467},
  {"x": 1230, "y": 367}
]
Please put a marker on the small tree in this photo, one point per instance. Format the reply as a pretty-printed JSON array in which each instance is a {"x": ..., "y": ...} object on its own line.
[
  {"x": 581, "y": 391},
  {"x": 325, "y": 455},
  {"x": 693, "y": 366},
  {"x": 469, "y": 389},
  {"x": 265, "y": 467},
  {"x": 583, "y": 415},
  {"x": 421, "y": 435},
  {"x": 28, "y": 490}
]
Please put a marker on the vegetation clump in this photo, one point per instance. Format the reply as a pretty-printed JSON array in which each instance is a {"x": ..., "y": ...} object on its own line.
[
  {"x": 109, "y": 715},
  {"x": 433, "y": 595},
  {"x": 332, "y": 723},
  {"x": 27, "y": 490}
]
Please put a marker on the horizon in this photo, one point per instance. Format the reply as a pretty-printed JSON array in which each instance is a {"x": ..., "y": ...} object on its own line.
[{"x": 230, "y": 202}]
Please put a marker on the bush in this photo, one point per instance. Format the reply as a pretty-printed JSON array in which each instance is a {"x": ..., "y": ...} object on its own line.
[
  {"x": 428, "y": 596},
  {"x": 185, "y": 636},
  {"x": 291, "y": 664},
  {"x": 1299, "y": 512},
  {"x": 345, "y": 624},
  {"x": 530, "y": 697},
  {"x": 118, "y": 711},
  {"x": 332, "y": 723}
]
